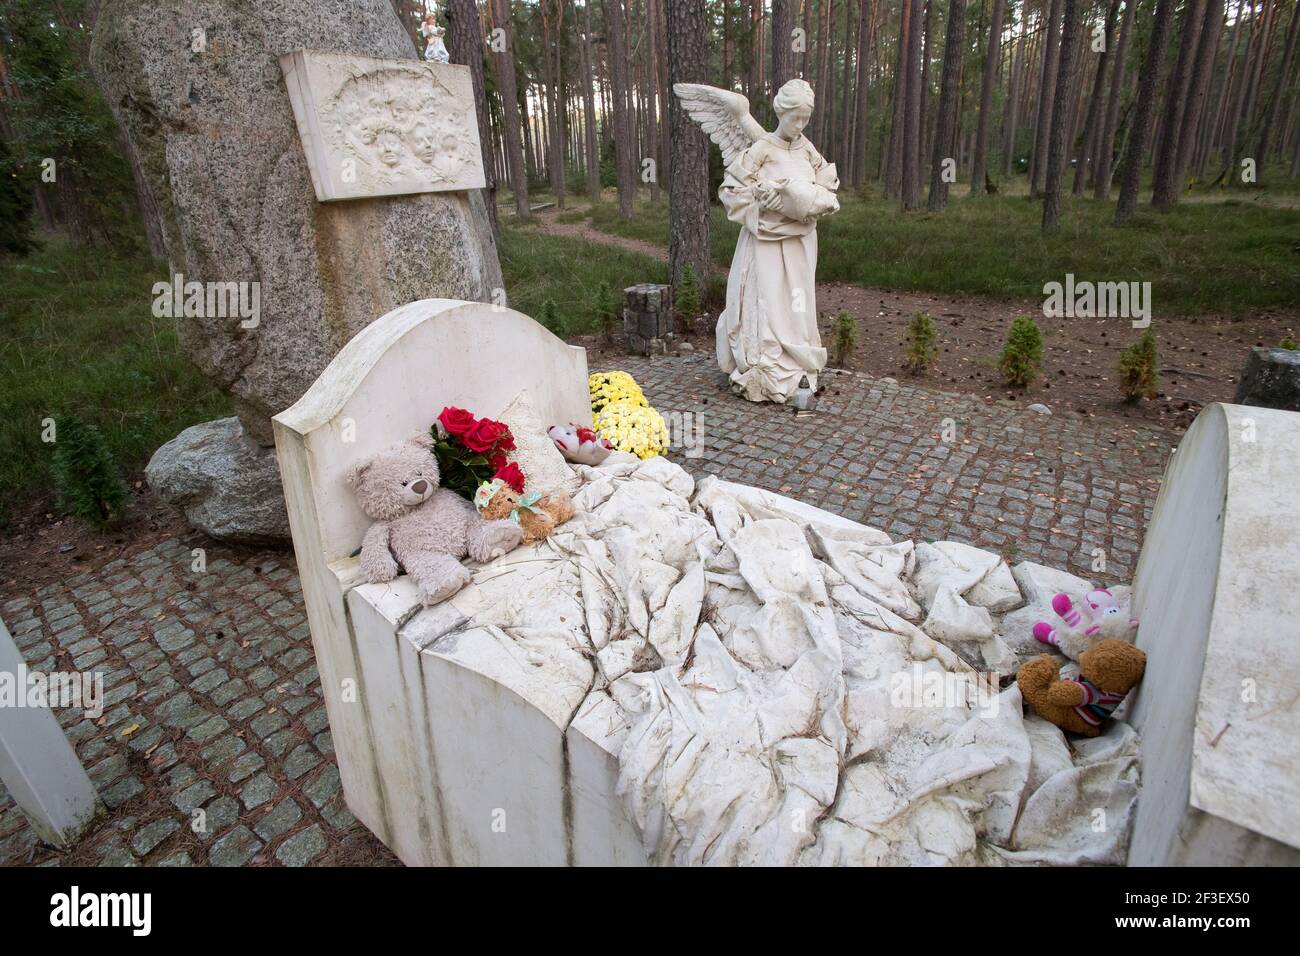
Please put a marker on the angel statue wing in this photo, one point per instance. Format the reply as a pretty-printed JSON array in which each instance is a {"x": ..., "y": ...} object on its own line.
[{"x": 722, "y": 114}]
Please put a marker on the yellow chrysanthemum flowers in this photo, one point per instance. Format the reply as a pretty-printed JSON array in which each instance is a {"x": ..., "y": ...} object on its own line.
[
  {"x": 623, "y": 415},
  {"x": 633, "y": 428},
  {"x": 610, "y": 387}
]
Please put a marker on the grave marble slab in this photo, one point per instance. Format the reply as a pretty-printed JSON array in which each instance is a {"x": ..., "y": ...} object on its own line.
[{"x": 374, "y": 127}]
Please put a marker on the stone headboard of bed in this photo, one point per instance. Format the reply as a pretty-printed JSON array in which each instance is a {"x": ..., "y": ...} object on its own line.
[{"x": 391, "y": 381}]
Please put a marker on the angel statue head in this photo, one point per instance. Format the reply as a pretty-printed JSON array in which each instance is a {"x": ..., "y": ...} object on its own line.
[{"x": 794, "y": 107}]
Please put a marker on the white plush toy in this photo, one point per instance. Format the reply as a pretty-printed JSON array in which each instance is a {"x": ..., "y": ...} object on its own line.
[
  {"x": 580, "y": 445},
  {"x": 1101, "y": 618}
]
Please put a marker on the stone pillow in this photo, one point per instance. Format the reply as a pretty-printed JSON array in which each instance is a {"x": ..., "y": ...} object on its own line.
[{"x": 544, "y": 468}]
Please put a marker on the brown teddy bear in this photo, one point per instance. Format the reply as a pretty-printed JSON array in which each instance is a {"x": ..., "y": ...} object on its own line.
[
  {"x": 1107, "y": 672},
  {"x": 537, "y": 515},
  {"x": 419, "y": 526}
]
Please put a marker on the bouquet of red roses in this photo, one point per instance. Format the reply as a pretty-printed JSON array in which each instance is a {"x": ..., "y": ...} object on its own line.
[{"x": 473, "y": 450}]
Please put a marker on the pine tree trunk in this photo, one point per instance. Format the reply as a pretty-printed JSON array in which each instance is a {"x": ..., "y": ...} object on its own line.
[
  {"x": 1092, "y": 125},
  {"x": 1165, "y": 191},
  {"x": 553, "y": 31},
  {"x": 866, "y": 26},
  {"x": 589, "y": 107},
  {"x": 1106, "y": 146},
  {"x": 688, "y": 199},
  {"x": 1279, "y": 89},
  {"x": 1194, "y": 115},
  {"x": 1057, "y": 148},
  {"x": 1046, "y": 100},
  {"x": 1010, "y": 120},
  {"x": 927, "y": 53},
  {"x": 1140, "y": 131},
  {"x": 465, "y": 45},
  {"x": 979, "y": 161},
  {"x": 844, "y": 142},
  {"x": 911, "y": 194},
  {"x": 651, "y": 107},
  {"x": 946, "y": 123},
  {"x": 624, "y": 147},
  {"x": 894, "y": 155},
  {"x": 782, "y": 54},
  {"x": 505, "y": 64}
]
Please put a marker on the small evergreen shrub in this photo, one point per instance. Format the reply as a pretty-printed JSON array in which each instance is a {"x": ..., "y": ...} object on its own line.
[
  {"x": 604, "y": 311},
  {"x": 920, "y": 343},
  {"x": 550, "y": 316},
  {"x": 844, "y": 338},
  {"x": 1139, "y": 369},
  {"x": 85, "y": 475},
  {"x": 687, "y": 295},
  {"x": 1289, "y": 343},
  {"x": 1022, "y": 357}
]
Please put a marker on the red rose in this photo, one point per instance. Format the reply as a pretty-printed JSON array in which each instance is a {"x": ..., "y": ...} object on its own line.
[
  {"x": 485, "y": 435},
  {"x": 512, "y": 476},
  {"x": 457, "y": 421},
  {"x": 586, "y": 434},
  {"x": 497, "y": 460}
]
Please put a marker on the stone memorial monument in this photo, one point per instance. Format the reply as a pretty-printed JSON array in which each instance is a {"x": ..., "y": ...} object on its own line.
[
  {"x": 776, "y": 186},
  {"x": 198, "y": 89}
]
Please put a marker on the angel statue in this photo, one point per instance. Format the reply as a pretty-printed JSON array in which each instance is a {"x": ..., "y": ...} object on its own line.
[
  {"x": 435, "y": 50},
  {"x": 776, "y": 186}
]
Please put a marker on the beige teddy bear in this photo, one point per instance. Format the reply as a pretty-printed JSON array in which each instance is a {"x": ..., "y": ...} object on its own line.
[{"x": 419, "y": 526}]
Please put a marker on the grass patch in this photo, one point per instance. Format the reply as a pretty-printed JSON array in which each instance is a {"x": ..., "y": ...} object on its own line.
[
  {"x": 77, "y": 337},
  {"x": 568, "y": 272},
  {"x": 1232, "y": 256}
]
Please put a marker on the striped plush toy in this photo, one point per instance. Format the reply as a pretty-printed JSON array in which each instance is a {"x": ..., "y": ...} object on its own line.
[{"x": 1099, "y": 618}]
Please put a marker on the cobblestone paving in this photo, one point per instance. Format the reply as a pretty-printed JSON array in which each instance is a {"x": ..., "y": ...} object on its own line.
[
  {"x": 214, "y": 746},
  {"x": 927, "y": 465}
]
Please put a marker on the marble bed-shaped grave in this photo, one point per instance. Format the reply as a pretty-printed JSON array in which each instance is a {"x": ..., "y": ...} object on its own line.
[{"x": 686, "y": 672}]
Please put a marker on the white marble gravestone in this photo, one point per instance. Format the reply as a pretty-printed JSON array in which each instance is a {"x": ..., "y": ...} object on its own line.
[{"x": 375, "y": 127}]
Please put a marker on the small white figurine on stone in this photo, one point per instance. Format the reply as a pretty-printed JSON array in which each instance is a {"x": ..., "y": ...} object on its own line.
[
  {"x": 777, "y": 186},
  {"x": 435, "y": 51}
]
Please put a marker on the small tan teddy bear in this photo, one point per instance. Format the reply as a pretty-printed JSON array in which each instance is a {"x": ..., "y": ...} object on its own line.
[
  {"x": 1107, "y": 672},
  {"x": 419, "y": 526},
  {"x": 537, "y": 515}
]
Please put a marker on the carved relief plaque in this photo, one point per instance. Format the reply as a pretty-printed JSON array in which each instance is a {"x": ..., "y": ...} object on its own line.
[{"x": 384, "y": 127}]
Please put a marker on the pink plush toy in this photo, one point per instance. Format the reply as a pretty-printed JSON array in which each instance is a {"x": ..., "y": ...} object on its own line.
[
  {"x": 579, "y": 444},
  {"x": 1102, "y": 620}
]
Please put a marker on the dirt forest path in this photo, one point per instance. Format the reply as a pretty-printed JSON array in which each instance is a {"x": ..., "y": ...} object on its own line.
[{"x": 1200, "y": 356}]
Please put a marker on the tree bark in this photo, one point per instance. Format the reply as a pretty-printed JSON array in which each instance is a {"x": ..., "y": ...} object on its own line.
[
  {"x": 1057, "y": 146},
  {"x": 1279, "y": 89},
  {"x": 911, "y": 187},
  {"x": 1140, "y": 131},
  {"x": 465, "y": 45},
  {"x": 624, "y": 147},
  {"x": 782, "y": 54},
  {"x": 553, "y": 32},
  {"x": 688, "y": 197},
  {"x": 589, "y": 107},
  {"x": 1106, "y": 146},
  {"x": 1010, "y": 120},
  {"x": 1046, "y": 100},
  {"x": 866, "y": 27},
  {"x": 1195, "y": 113},
  {"x": 894, "y": 167},
  {"x": 979, "y": 161},
  {"x": 844, "y": 142},
  {"x": 1165, "y": 190},
  {"x": 1091, "y": 125},
  {"x": 505, "y": 64},
  {"x": 946, "y": 124}
]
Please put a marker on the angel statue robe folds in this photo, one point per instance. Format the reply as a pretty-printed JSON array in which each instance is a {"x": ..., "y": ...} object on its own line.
[{"x": 776, "y": 186}]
